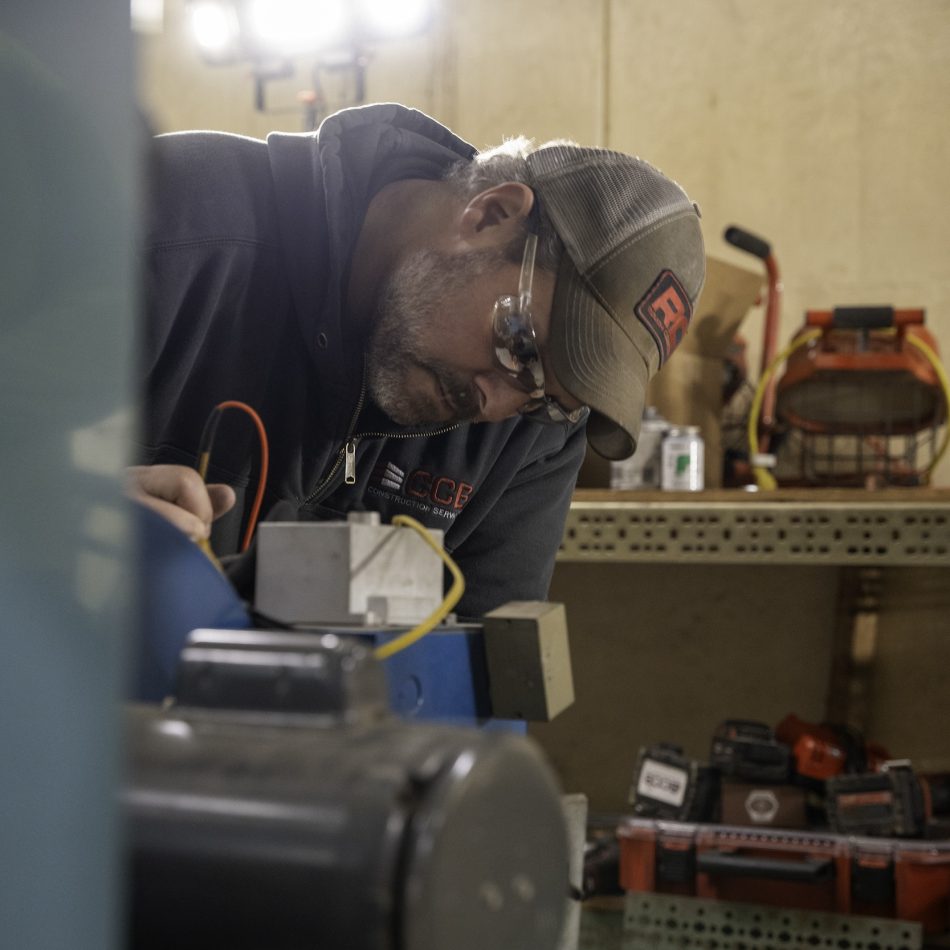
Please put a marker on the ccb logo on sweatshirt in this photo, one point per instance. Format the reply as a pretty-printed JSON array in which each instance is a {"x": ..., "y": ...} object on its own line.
[{"x": 421, "y": 489}]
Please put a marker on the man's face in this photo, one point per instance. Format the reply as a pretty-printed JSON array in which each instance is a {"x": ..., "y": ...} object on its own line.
[{"x": 430, "y": 356}]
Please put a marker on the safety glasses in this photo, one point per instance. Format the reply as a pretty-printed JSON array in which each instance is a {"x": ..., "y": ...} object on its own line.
[{"x": 516, "y": 347}]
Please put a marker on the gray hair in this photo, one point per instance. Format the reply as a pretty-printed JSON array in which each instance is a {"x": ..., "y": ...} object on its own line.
[{"x": 507, "y": 162}]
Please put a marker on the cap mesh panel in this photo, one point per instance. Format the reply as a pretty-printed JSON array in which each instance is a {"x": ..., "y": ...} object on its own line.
[{"x": 596, "y": 207}]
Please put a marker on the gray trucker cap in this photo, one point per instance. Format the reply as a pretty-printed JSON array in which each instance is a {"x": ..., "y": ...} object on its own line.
[{"x": 628, "y": 282}]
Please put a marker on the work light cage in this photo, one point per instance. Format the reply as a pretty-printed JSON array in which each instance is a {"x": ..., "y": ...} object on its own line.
[
  {"x": 878, "y": 460},
  {"x": 862, "y": 402}
]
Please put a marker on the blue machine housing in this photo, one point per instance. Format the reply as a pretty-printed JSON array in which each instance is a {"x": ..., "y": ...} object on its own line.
[{"x": 443, "y": 677}]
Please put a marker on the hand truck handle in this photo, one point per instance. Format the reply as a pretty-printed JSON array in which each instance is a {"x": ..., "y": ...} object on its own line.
[{"x": 748, "y": 242}]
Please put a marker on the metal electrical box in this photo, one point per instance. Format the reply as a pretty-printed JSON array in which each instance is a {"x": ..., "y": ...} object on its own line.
[{"x": 357, "y": 571}]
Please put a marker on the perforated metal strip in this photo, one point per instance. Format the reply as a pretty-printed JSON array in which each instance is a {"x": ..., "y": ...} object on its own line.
[
  {"x": 656, "y": 921},
  {"x": 722, "y": 532}
]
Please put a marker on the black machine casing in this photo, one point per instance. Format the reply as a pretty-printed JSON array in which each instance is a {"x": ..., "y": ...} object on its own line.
[{"x": 257, "y": 819}]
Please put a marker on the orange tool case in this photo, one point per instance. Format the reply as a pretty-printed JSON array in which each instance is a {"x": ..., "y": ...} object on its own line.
[{"x": 882, "y": 877}]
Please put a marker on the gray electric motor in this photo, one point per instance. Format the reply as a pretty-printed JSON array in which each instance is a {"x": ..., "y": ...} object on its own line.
[{"x": 277, "y": 805}]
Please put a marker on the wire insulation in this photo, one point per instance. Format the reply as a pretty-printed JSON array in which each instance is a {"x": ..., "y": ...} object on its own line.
[
  {"x": 204, "y": 458},
  {"x": 938, "y": 368},
  {"x": 454, "y": 595},
  {"x": 763, "y": 477}
]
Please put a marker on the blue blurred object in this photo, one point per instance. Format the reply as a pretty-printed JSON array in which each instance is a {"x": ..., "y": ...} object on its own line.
[{"x": 181, "y": 590}]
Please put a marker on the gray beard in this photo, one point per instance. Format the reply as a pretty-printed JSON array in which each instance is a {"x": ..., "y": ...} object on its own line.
[{"x": 414, "y": 309}]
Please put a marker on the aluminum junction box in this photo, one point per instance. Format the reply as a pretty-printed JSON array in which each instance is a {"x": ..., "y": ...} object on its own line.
[{"x": 357, "y": 571}]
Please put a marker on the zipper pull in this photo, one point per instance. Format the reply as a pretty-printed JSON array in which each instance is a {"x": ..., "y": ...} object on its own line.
[{"x": 349, "y": 463}]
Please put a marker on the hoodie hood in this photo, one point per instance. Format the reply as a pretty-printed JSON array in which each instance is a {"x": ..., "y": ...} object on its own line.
[{"x": 324, "y": 182}]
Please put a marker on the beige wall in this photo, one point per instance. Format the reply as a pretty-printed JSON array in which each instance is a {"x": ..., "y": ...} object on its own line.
[{"x": 821, "y": 125}]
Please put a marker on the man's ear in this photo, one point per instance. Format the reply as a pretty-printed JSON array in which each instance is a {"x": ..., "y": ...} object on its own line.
[{"x": 497, "y": 213}]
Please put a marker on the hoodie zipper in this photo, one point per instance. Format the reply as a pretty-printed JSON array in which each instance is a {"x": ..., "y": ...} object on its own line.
[
  {"x": 346, "y": 455},
  {"x": 342, "y": 453}
]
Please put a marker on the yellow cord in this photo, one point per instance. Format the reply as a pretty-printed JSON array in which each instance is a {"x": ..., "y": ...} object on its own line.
[
  {"x": 934, "y": 361},
  {"x": 205, "y": 543},
  {"x": 763, "y": 477},
  {"x": 451, "y": 598}
]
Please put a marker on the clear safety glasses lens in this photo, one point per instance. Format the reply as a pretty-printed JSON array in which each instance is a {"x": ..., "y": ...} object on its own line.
[{"x": 516, "y": 347}]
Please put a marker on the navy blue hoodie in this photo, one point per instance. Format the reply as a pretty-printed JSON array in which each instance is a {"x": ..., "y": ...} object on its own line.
[{"x": 247, "y": 253}]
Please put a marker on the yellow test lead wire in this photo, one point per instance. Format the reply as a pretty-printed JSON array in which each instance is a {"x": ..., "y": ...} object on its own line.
[
  {"x": 205, "y": 543},
  {"x": 454, "y": 595},
  {"x": 763, "y": 477},
  {"x": 944, "y": 380}
]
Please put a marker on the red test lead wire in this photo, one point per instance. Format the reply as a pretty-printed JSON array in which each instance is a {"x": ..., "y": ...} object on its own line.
[{"x": 204, "y": 456}]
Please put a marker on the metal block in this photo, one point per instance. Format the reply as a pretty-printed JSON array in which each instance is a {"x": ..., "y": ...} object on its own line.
[
  {"x": 529, "y": 661},
  {"x": 353, "y": 572}
]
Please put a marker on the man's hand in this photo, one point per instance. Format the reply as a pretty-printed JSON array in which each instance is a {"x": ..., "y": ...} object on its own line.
[{"x": 179, "y": 495}]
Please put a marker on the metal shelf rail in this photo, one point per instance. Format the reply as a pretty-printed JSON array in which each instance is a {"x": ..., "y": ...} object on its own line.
[{"x": 890, "y": 527}]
